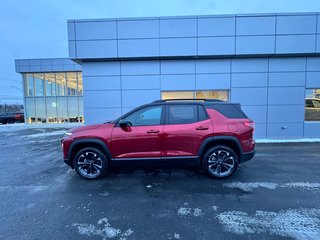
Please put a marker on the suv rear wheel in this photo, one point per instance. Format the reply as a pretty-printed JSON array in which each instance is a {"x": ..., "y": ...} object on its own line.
[
  {"x": 220, "y": 162},
  {"x": 90, "y": 163}
]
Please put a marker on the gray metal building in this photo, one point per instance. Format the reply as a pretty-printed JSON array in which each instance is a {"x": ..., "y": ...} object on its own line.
[{"x": 270, "y": 63}]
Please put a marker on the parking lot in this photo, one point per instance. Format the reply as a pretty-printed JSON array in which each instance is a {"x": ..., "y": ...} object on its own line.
[{"x": 274, "y": 196}]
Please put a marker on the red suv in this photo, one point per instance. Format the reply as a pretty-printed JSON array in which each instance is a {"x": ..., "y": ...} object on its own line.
[{"x": 213, "y": 134}]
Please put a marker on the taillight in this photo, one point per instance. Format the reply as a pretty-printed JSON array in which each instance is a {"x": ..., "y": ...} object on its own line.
[
  {"x": 249, "y": 124},
  {"x": 16, "y": 116}
]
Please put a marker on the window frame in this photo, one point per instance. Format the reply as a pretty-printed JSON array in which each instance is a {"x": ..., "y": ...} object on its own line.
[{"x": 162, "y": 118}]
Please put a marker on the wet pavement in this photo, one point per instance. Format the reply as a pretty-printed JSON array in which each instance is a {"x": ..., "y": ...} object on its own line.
[{"x": 276, "y": 195}]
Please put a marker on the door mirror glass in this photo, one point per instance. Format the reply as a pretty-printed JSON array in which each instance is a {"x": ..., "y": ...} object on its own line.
[{"x": 125, "y": 123}]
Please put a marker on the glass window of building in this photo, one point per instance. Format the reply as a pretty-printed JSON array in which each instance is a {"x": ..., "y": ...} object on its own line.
[
  {"x": 80, "y": 85},
  {"x": 213, "y": 94},
  {"x": 71, "y": 83},
  {"x": 221, "y": 95},
  {"x": 51, "y": 109},
  {"x": 53, "y": 97},
  {"x": 39, "y": 84},
  {"x": 29, "y": 87},
  {"x": 312, "y": 105},
  {"x": 62, "y": 109},
  {"x": 30, "y": 109},
  {"x": 50, "y": 84},
  {"x": 178, "y": 95},
  {"x": 73, "y": 109},
  {"x": 41, "y": 109},
  {"x": 61, "y": 84}
]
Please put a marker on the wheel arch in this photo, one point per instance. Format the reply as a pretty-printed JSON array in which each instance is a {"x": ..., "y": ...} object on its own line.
[
  {"x": 88, "y": 142},
  {"x": 228, "y": 141}
]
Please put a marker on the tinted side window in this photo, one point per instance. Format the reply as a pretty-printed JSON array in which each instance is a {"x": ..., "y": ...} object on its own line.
[
  {"x": 182, "y": 114},
  {"x": 146, "y": 116},
  {"x": 229, "y": 110},
  {"x": 202, "y": 113}
]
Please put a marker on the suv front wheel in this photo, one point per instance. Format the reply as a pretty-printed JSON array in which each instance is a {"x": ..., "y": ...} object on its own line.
[
  {"x": 220, "y": 162},
  {"x": 90, "y": 163}
]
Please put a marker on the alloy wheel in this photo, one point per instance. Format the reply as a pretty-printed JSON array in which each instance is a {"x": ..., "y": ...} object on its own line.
[
  {"x": 221, "y": 163},
  {"x": 89, "y": 164}
]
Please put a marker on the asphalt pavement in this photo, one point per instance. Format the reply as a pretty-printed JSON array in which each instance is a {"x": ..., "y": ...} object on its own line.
[{"x": 276, "y": 195}]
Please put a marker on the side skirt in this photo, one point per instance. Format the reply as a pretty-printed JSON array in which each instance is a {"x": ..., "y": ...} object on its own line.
[{"x": 183, "y": 160}]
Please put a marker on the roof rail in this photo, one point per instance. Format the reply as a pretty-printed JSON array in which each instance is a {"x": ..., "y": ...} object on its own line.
[{"x": 188, "y": 99}]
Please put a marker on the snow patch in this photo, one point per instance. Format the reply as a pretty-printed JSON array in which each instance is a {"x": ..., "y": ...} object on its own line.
[
  {"x": 105, "y": 231},
  {"x": 196, "y": 212},
  {"x": 105, "y": 194},
  {"x": 295, "y": 223},
  {"x": 46, "y": 134},
  {"x": 176, "y": 236},
  {"x": 30, "y": 188},
  {"x": 303, "y": 185},
  {"x": 23, "y": 126},
  {"x": 249, "y": 186},
  {"x": 214, "y": 208}
]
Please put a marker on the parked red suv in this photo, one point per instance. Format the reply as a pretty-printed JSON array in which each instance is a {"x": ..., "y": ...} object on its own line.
[{"x": 213, "y": 134}]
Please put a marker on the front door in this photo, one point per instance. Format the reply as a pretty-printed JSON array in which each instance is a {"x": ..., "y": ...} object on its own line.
[{"x": 143, "y": 138}]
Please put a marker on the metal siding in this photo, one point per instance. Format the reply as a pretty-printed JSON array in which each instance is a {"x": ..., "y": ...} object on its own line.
[
  {"x": 255, "y": 45},
  {"x": 178, "y": 47},
  {"x": 138, "y": 29},
  {"x": 177, "y": 66},
  {"x": 249, "y": 96},
  {"x": 256, "y": 25},
  {"x": 135, "y": 98},
  {"x": 296, "y": 44},
  {"x": 97, "y": 49},
  {"x": 216, "y": 26},
  {"x": 216, "y": 45},
  {"x": 178, "y": 27},
  {"x": 138, "y": 47},
  {"x": 303, "y": 24},
  {"x": 96, "y": 30},
  {"x": 212, "y": 81},
  {"x": 249, "y": 79}
]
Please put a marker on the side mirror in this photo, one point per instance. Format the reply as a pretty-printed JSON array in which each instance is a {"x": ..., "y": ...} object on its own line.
[{"x": 125, "y": 123}]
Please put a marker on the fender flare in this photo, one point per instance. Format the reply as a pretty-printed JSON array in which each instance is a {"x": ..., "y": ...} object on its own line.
[
  {"x": 213, "y": 139},
  {"x": 99, "y": 142}
]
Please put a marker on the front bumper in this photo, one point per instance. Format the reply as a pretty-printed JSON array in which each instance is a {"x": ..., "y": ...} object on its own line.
[{"x": 247, "y": 156}]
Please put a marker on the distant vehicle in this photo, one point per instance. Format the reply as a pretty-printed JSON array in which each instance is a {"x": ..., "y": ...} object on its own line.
[
  {"x": 11, "y": 117},
  {"x": 215, "y": 135},
  {"x": 312, "y": 110}
]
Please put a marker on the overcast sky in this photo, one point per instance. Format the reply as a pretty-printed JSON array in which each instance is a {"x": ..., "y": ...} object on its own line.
[{"x": 38, "y": 29}]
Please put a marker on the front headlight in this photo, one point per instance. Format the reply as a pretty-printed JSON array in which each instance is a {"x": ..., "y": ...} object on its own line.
[{"x": 68, "y": 133}]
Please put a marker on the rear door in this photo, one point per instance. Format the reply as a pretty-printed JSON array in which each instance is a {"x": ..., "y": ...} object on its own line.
[{"x": 186, "y": 126}]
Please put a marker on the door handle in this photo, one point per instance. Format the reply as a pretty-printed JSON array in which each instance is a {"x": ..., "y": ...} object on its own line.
[
  {"x": 153, "y": 131},
  {"x": 202, "y": 128}
]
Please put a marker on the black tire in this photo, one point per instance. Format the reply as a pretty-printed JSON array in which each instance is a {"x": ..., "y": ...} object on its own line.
[
  {"x": 90, "y": 163},
  {"x": 220, "y": 158}
]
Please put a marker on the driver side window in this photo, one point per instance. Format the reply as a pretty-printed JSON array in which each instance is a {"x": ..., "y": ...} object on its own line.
[{"x": 146, "y": 117}]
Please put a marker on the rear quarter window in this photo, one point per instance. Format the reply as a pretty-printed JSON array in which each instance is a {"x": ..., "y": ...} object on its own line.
[{"x": 229, "y": 110}]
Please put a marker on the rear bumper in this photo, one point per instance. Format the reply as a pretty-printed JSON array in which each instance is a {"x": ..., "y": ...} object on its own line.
[{"x": 247, "y": 156}]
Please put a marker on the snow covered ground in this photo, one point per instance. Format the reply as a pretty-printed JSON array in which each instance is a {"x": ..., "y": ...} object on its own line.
[{"x": 22, "y": 126}]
